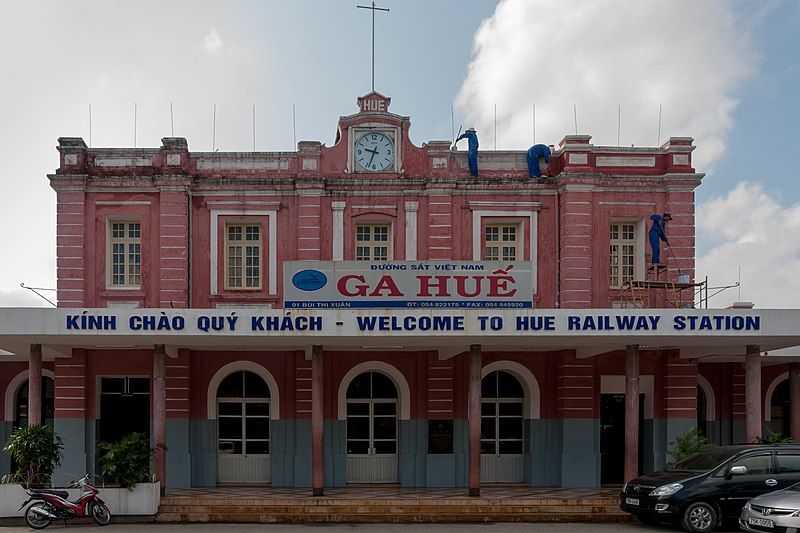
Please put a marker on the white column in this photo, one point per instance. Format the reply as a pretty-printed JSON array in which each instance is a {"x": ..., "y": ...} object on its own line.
[
  {"x": 338, "y": 230},
  {"x": 411, "y": 230}
]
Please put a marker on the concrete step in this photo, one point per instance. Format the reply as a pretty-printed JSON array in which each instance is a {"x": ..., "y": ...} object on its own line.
[{"x": 317, "y": 510}]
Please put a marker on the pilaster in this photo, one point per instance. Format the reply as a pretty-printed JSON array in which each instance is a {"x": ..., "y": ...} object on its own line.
[
  {"x": 309, "y": 203},
  {"x": 72, "y": 416},
  {"x": 173, "y": 263},
  {"x": 575, "y": 236},
  {"x": 177, "y": 409},
  {"x": 440, "y": 225}
]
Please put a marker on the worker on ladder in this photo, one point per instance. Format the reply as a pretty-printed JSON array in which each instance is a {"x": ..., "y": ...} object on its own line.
[
  {"x": 658, "y": 233},
  {"x": 472, "y": 153},
  {"x": 536, "y": 152}
]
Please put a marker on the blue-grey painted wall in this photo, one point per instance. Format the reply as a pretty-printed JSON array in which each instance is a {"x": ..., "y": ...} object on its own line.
[
  {"x": 78, "y": 436},
  {"x": 203, "y": 452},
  {"x": 290, "y": 453},
  {"x": 542, "y": 452},
  {"x": 411, "y": 467},
  {"x": 5, "y": 461},
  {"x": 178, "y": 461},
  {"x": 665, "y": 431},
  {"x": 558, "y": 452},
  {"x": 739, "y": 431},
  {"x": 449, "y": 470},
  {"x": 580, "y": 455},
  {"x": 335, "y": 453}
]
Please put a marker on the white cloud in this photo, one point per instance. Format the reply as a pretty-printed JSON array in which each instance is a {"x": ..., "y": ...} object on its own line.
[
  {"x": 23, "y": 298},
  {"x": 689, "y": 56},
  {"x": 751, "y": 228},
  {"x": 213, "y": 42}
]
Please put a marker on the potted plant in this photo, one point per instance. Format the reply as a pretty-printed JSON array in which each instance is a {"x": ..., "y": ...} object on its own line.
[
  {"x": 127, "y": 463},
  {"x": 773, "y": 437},
  {"x": 36, "y": 450},
  {"x": 685, "y": 445}
]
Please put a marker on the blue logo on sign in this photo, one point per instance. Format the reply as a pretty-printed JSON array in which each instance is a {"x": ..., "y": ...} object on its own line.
[{"x": 309, "y": 280}]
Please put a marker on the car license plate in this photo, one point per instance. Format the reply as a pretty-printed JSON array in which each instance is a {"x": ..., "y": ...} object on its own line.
[
  {"x": 632, "y": 501},
  {"x": 761, "y": 522}
]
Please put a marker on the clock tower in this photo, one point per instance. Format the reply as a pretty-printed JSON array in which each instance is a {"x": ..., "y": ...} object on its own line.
[{"x": 375, "y": 137}]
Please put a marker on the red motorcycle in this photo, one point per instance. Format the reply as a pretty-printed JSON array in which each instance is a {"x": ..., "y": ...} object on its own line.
[{"x": 52, "y": 505}]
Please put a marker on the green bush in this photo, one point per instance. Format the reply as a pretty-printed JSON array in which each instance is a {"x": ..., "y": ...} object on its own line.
[
  {"x": 37, "y": 452},
  {"x": 126, "y": 462},
  {"x": 690, "y": 442},
  {"x": 773, "y": 437}
]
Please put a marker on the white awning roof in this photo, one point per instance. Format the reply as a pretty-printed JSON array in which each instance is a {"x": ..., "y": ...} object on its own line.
[{"x": 710, "y": 334}]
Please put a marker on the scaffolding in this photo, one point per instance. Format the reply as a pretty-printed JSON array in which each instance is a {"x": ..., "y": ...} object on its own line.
[{"x": 659, "y": 291}]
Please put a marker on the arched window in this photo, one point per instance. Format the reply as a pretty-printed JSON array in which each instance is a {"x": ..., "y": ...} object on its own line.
[
  {"x": 502, "y": 400},
  {"x": 779, "y": 409},
  {"x": 243, "y": 412},
  {"x": 48, "y": 403},
  {"x": 371, "y": 415}
]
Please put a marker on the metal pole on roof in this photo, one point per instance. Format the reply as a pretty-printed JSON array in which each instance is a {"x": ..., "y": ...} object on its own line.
[
  {"x": 575, "y": 116},
  {"x": 374, "y": 9},
  {"x": 214, "y": 128},
  {"x": 294, "y": 127},
  {"x": 619, "y": 121},
  {"x": 135, "y": 111},
  {"x": 90, "y": 125},
  {"x": 254, "y": 127},
  {"x": 495, "y": 126},
  {"x": 452, "y": 122},
  {"x": 36, "y": 290},
  {"x": 171, "y": 120},
  {"x": 659, "y": 125},
  {"x": 739, "y": 283}
]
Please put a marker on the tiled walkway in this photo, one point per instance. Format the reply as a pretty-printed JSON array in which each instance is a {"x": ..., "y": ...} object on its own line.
[{"x": 393, "y": 492}]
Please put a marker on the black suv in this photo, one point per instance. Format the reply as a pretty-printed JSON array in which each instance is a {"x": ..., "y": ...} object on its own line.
[{"x": 708, "y": 487}]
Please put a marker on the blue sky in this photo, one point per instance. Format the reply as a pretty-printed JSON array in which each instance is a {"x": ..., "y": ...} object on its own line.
[
  {"x": 762, "y": 145},
  {"x": 726, "y": 73}
]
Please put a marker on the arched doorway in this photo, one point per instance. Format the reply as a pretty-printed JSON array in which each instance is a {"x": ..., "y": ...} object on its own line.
[
  {"x": 702, "y": 408},
  {"x": 48, "y": 403},
  {"x": 371, "y": 400},
  {"x": 502, "y": 428},
  {"x": 779, "y": 409},
  {"x": 243, "y": 428}
]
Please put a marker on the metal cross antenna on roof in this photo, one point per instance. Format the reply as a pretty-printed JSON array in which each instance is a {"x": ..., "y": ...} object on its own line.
[{"x": 373, "y": 9}]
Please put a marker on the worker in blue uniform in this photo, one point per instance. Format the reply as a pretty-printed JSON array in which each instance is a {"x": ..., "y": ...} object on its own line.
[
  {"x": 534, "y": 153},
  {"x": 657, "y": 234},
  {"x": 472, "y": 153}
]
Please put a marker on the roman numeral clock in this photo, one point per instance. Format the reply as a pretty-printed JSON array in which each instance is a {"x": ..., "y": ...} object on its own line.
[{"x": 374, "y": 151}]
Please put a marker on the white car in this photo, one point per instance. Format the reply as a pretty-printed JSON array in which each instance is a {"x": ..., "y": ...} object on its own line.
[{"x": 777, "y": 511}]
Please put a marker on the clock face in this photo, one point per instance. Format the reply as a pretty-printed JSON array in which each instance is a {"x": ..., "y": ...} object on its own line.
[{"x": 374, "y": 151}]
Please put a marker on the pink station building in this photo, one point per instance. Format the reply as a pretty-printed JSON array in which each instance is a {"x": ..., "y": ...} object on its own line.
[{"x": 320, "y": 394}]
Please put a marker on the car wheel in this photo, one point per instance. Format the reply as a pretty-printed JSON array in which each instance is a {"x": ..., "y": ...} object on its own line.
[{"x": 699, "y": 517}]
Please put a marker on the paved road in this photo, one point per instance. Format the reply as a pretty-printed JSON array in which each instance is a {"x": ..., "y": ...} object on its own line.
[{"x": 366, "y": 528}]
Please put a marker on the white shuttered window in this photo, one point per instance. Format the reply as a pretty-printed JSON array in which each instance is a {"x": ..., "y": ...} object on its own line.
[
  {"x": 622, "y": 241},
  {"x": 373, "y": 242},
  {"x": 243, "y": 252},
  {"x": 125, "y": 251}
]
